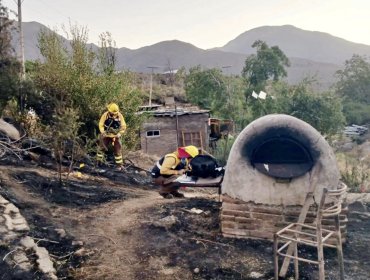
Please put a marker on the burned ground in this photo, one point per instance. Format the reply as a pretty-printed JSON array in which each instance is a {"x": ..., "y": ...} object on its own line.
[
  {"x": 114, "y": 225},
  {"x": 72, "y": 194},
  {"x": 194, "y": 243}
]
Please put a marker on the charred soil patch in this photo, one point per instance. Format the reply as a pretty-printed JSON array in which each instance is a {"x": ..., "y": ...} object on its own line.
[
  {"x": 192, "y": 247},
  {"x": 70, "y": 193}
]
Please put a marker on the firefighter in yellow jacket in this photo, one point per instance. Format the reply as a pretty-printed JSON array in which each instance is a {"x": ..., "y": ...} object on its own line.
[
  {"x": 170, "y": 167},
  {"x": 111, "y": 126}
]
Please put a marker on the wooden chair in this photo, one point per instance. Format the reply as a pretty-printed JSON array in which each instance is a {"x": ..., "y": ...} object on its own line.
[{"x": 312, "y": 235}]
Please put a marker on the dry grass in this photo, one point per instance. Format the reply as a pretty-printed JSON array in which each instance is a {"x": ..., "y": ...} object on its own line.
[{"x": 354, "y": 166}]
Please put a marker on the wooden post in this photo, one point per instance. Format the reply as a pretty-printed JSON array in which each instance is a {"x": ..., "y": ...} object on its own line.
[
  {"x": 296, "y": 268},
  {"x": 177, "y": 127},
  {"x": 276, "y": 260},
  {"x": 339, "y": 248},
  {"x": 320, "y": 247}
]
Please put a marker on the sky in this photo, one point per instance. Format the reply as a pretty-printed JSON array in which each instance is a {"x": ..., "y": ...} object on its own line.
[{"x": 203, "y": 23}]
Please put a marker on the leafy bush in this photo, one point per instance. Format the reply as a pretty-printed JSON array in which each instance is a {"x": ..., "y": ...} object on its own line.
[
  {"x": 356, "y": 113},
  {"x": 222, "y": 149},
  {"x": 73, "y": 76}
]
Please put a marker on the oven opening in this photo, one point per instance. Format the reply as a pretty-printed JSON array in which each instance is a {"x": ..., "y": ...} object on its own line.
[{"x": 282, "y": 158}]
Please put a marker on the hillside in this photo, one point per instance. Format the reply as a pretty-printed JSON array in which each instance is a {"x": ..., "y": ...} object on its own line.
[
  {"x": 311, "y": 53},
  {"x": 295, "y": 42}
]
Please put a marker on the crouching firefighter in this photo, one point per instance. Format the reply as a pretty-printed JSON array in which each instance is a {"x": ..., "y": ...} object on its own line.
[
  {"x": 111, "y": 126},
  {"x": 170, "y": 167}
]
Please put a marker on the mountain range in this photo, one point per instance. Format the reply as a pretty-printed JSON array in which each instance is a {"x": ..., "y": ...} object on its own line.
[{"x": 311, "y": 53}]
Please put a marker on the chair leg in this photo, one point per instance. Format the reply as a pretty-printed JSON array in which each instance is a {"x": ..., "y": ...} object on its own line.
[
  {"x": 339, "y": 248},
  {"x": 320, "y": 253},
  {"x": 296, "y": 269},
  {"x": 276, "y": 260}
]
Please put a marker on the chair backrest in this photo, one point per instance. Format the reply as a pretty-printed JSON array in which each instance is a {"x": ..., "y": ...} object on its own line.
[{"x": 334, "y": 199}]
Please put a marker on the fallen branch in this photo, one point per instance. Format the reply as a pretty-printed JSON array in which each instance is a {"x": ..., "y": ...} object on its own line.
[
  {"x": 44, "y": 239},
  {"x": 9, "y": 254},
  {"x": 209, "y": 241},
  {"x": 9, "y": 147},
  {"x": 132, "y": 164},
  {"x": 62, "y": 257}
]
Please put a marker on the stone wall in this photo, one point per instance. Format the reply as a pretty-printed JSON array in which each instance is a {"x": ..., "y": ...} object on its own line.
[{"x": 17, "y": 247}]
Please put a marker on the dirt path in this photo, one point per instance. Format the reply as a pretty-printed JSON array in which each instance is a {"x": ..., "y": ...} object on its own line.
[
  {"x": 113, "y": 237},
  {"x": 115, "y": 234}
]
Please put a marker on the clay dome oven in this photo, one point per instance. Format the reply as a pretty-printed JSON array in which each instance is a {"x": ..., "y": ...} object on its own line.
[{"x": 274, "y": 162}]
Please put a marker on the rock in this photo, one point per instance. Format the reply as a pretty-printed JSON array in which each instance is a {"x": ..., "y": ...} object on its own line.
[
  {"x": 3, "y": 201},
  {"x": 3, "y": 230},
  {"x": 21, "y": 228},
  {"x": 19, "y": 220},
  {"x": 27, "y": 242},
  {"x": 20, "y": 257},
  {"x": 9, "y": 130},
  {"x": 44, "y": 263},
  {"x": 143, "y": 173},
  {"x": 8, "y": 222},
  {"x": 196, "y": 211},
  {"x": 9, "y": 236},
  {"x": 255, "y": 275},
  {"x": 11, "y": 209},
  {"x": 61, "y": 232},
  {"x": 166, "y": 222},
  {"x": 196, "y": 270},
  {"x": 77, "y": 243}
]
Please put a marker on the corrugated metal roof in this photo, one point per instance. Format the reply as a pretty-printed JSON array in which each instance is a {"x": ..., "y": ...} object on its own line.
[
  {"x": 166, "y": 111},
  {"x": 179, "y": 112}
]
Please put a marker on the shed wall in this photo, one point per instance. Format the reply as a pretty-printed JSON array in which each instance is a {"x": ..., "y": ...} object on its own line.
[{"x": 166, "y": 142}]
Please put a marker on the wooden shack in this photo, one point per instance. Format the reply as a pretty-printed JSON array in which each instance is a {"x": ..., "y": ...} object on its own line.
[{"x": 172, "y": 127}]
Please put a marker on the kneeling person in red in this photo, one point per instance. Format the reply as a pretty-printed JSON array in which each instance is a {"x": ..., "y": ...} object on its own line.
[{"x": 170, "y": 167}]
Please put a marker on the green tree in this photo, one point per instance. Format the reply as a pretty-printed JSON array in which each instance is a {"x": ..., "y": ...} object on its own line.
[
  {"x": 354, "y": 80},
  {"x": 9, "y": 67},
  {"x": 323, "y": 111},
  {"x": 6, "y": 24},
  {"x": 267, "y": 64},
  {"x": 73, "y": 76},
  {"x": 204, "y": 87},
  {"x": 354, "y": 87},
  {"x": 210, "y": 89}
]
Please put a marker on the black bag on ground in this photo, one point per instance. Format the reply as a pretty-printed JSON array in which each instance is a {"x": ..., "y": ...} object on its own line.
[
  {"x": 204, "y": 166},
  {"x": 155, "y": 172}
]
